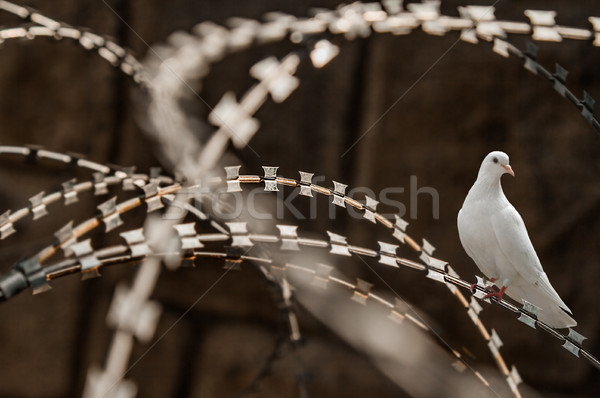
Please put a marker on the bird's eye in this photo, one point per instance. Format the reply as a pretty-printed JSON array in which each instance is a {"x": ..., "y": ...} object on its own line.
[{"x": 495, "y": 160}]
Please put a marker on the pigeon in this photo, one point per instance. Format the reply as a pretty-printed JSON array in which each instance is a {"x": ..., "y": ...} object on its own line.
[{"x": 494, "y": 235}]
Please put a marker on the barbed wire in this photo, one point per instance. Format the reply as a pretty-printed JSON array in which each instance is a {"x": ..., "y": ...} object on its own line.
[
  {"x": 134, "y": 315},
  {"x": 103, "y": 178},
  {"x": 89, "y": 258},
  {"x": 322, "y": 276},
  {"x": 88, "y": 261},
  {"x": 101, "y": 183},
  {"x": 337, "y": 244},
  {"x": 351, "y": 21},
  {"x": 437, "y": 269},
  {"x": 188, "y": 57},
  {"x": 543, "y": 27},
  {"x": 38, "y": 25}
]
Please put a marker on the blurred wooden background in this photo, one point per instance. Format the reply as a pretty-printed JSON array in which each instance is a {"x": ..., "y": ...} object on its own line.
[{"x": 471, "y": 101}]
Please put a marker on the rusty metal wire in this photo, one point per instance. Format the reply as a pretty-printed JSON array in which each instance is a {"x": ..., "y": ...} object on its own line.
[
  {"x": 437, "y": 270},
  {"x": 189, "y": 56},
  {"x": 386, "y": 254},
  {"x": 88, "y": 261},
  {"x": 133, "y": 315},
  {"x": 38, "y": 25}
]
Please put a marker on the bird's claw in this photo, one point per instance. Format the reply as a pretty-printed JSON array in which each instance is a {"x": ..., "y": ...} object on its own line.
[{"x": 498, "y": 295}]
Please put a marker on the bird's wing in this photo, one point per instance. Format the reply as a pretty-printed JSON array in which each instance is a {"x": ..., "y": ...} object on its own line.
[
  {"x": 470, "y": 245},
  {"x": 517, "y": 248}
]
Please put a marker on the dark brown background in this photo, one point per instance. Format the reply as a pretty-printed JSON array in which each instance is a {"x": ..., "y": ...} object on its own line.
[{"x": 472, "y": 101}]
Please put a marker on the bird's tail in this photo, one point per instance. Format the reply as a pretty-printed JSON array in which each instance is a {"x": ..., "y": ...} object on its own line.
[{"x": 553, "y": 312}]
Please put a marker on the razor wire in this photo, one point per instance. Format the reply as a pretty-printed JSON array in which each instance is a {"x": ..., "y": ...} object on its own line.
[
  {"x": 87, "y": 261},
  {"x": 38, "y": 25},
  {"x": 192, "y": 55},
  {"x": 543, "y": 27},
  {"x": 337, "y": 244},
  {"x": 103, "y": 178},
  {"x": 437, "y": 270},
  {"x": 189, "y": 56},
  {"x": 136, "y": 248},
  {"x": 344, "y": 21}
]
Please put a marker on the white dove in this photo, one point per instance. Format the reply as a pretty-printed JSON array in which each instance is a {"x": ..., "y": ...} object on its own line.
[{"x": 494, "y": 236}]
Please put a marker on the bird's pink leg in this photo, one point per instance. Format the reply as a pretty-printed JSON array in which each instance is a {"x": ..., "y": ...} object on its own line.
[{"x": 498, "y": 295}]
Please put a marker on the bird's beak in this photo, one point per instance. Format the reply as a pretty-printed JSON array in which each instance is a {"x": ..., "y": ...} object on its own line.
[{"x": 509, "y": 170}]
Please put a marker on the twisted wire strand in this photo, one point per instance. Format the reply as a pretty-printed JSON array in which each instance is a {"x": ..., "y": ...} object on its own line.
[
  {"x": 436, "y": 25},
  {"x": 38, "y": 25},
  {"x": 104, "y": 177},
  {"x": 188, "y": 58},
  {"x": 446, "y": 276},
  {"x": 70, "y": 266},
  {"x": 438, "y": 270},
  {"x": 397, "y": 313},
  {"x": 116, "y": 253},
  {"x": 357, "y": 20}
]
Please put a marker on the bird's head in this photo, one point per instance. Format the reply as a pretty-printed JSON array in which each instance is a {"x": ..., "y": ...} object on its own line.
[{"x": 496, "y": 164}]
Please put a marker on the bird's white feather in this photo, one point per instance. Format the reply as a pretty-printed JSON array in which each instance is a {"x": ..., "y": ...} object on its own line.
[
  {"x": 495, "y": 237},
  {"x": 518, "y": 250}
]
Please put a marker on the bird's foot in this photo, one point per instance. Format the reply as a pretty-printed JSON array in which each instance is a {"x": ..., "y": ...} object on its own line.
[{"x": 498, "y": 295}]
